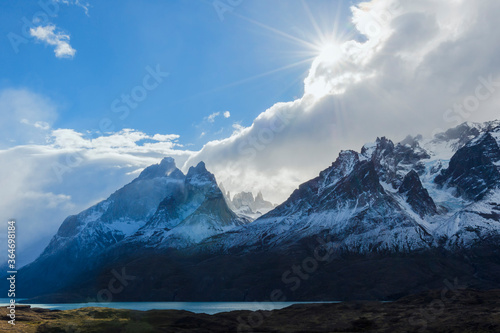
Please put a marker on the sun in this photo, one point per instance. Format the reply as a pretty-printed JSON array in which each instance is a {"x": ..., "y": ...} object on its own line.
[
  {"x": 319, "y": 45},
  {"x": 330, "y": 52}
]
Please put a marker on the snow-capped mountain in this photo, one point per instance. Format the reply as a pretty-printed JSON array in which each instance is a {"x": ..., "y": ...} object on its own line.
[
  {"x": 83, "y": 237},
  {"x": 119, "y": 216},
  {"x": 402, "y": 213},
  {"x": 192, "y": 211},
  {"x": 349, "y": 202},
  {"x": 162, "y": 207},
  {"x": 408, "y": 196},
  {"x": 246, "y": 205}
]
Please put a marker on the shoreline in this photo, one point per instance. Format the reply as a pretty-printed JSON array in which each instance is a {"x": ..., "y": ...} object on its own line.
[
  {"x": 195, "y": 307},
  {"x": 461, "y": 311}
]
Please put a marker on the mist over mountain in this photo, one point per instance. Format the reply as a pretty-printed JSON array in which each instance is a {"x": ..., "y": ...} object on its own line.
[{"x": 244, "y": 203}]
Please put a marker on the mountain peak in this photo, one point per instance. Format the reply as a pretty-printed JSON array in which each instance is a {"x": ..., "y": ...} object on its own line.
[
  {"x": 199, "y": 174},
  {"x": 167, "y": 162},
  {"x": 163, "y": 169},
  {"x": 200, "y": 168},
  {"x": 466, "y": 130},
  {"x": 348, "y": 155},
  {"x": 384, "y": 145},
  {"x": 473, "y": 170},
  {"x": 381, "y": 147}
]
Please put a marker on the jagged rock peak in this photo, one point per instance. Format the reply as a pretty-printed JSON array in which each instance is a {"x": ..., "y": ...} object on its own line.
[
  {"x": 245, "y": 204},
  {"x": 364, "y": 178},
  {"x": 462, "y": 132},
  {"x": 244, "y": 197},
  {"x": 347, "y": 159},
  {"x": 163, "y": 169},
  {"x": 416, "y": 195},
  {"x": 488, "y": 141},
  {"x": 473, "y": 170},
  {"x": 381, "y": 147},
  {"x": 342, "y": 166},
  {"x": 200, "y": 168},
  {"x": 410, "y": 181},
  {"x": 199, "y": 173},
  {"x": 348, "y": 155},
  {"x": 167, "y": 162},
  {"x": 384, "y": 143}
]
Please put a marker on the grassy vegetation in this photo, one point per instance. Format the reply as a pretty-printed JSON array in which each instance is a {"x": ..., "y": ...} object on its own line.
[{"x": 453, "y": 311}]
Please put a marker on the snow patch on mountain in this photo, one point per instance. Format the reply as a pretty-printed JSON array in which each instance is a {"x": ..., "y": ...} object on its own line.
[
  {"x": 401, "y": 208},
  {"x": 191, "y": 212}
]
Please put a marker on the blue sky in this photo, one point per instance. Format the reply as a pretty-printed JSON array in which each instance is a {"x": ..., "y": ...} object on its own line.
[
  {"x": 214, "y": 65},
  {"x": 266, "y": 97}
]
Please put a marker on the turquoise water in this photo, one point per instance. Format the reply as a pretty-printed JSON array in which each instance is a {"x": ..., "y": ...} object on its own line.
[{"x": 196, "y": 307}]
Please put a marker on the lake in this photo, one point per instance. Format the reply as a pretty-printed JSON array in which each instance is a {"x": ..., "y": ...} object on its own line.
[{"x": 196, "y": 307}]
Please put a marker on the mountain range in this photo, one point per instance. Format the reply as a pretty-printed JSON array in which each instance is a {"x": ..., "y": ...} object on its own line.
[
  {"x": 246, "y": 205},
  {"x": 390, "y": 220}
]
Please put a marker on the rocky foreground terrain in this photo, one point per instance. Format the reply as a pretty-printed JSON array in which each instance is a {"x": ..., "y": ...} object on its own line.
[{"x": 451, "y": 309}]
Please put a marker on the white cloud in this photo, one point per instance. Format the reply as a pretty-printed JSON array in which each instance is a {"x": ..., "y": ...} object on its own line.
[
  {"x": 68, "y": 173},
  {"x": 26, "y": 117},
  {"x": 237, "y": 127},
  {"x": 60, "y": 40},
  {"x": 42, "y": 125},
  {"x": 419, "y": 59},
  {"x": 83, "y": 4},
  {"x": 127, "y": 141},
  {"x": 211, "y": 118},
  {"x": 167, "y": 137}
]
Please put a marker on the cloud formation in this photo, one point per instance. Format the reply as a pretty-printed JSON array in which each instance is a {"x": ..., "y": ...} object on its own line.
[
  {"x": 417, "y": 69},
  {"x": 58, "y": 39},
  {"x": 211, "y": 118},
  {"x": 26, "y": 117},
  {"x": 82, "y": 4},
  {"x": 53, "y": 173}
]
